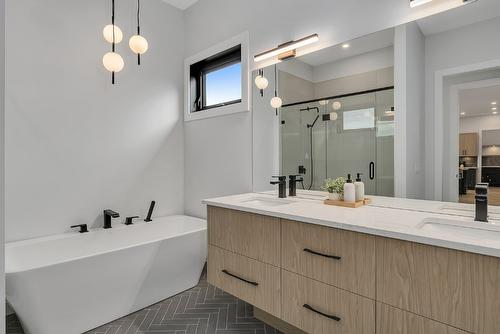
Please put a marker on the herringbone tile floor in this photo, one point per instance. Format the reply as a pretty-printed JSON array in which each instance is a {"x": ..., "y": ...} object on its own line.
[{"x": 202, "y": 310}]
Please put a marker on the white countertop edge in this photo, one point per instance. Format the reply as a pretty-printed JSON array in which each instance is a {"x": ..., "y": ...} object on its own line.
[{"x": 426, "y": 240}]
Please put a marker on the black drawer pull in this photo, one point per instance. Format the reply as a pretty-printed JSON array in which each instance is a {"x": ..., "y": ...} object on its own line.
[
  {"x": 333, "y": 317},
  {"x": 335, "y": 257},
  {"x": 241, "y": 279}
]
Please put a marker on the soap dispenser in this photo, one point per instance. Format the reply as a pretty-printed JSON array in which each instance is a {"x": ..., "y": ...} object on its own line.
[
  {"x": 349, "y": 190},
  {"x": 359, "y": 188}
]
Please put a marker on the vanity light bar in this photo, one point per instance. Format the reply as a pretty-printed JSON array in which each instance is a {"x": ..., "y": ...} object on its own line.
[
  {"x": 287, "y": 47},
  {"x": 415, "y": 3}
]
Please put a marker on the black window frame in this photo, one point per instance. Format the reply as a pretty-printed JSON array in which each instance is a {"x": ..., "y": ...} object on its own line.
[{"x": 199, "y": 71}]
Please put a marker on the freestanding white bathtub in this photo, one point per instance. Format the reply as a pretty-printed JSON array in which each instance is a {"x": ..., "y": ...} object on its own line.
[{"x": 71, "y": 283}]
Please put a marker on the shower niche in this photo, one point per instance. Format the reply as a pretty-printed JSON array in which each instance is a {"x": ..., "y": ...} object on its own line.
[{"x": 337, "y": 116}]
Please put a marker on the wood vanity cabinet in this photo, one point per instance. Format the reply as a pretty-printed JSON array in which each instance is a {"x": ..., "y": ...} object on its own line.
[
  {"x": 457, "y": 288},
  {"x": 248, "y": 234},
  {"x": 468, "y": 144},
  {"x": 340, "y": 258},
  {"x": 391, "y": 320},
  {"x": 323, "y": 280}
]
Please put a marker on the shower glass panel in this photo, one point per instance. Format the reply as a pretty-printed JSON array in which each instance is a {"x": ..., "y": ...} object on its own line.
[{"x": 356, "y": 137}]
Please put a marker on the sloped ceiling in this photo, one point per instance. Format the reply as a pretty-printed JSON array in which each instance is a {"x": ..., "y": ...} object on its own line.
[{"x": 181, "y": 4}]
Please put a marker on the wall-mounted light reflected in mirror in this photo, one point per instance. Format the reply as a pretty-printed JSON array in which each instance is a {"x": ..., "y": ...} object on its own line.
[
  {"x": 416, "y": 3},
  {"x": 336, "y": 105},
  {"x": 345, "y": 46}
]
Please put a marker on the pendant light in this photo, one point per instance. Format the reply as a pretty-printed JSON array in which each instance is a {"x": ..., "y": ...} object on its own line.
[
  {"x": 261, "y": 82},
  {"x": 112, "y": 61},
  {"x": 276, "y": 101},
  {"x": 137, "y": 43}
]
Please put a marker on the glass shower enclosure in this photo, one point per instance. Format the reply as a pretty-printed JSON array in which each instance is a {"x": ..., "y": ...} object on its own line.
[{"x": 334, "y": 137}]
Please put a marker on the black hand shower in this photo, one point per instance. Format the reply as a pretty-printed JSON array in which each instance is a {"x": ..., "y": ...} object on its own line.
[
  {"x": 150, "y": 212},
  {"x": 310, "y": 127}
]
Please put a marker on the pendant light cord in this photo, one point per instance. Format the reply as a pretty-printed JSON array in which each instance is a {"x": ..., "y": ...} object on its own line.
[
  {"x": 138, "y": 17},
  {"x": 138, "y": 27},
  {"x": 276, "y": 84},
  {"x": 113, "y": 44}
]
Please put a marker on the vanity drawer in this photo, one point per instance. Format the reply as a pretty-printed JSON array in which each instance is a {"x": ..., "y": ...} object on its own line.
[
  {"x": 391, "y": 320},
  {"x": 457, "y": 288},
  {"x": 252, "y": 235},
  {"x": 252, "y": 281},
  {"x": 312, "y": 306},
  {"x": 341, "y": 258}
]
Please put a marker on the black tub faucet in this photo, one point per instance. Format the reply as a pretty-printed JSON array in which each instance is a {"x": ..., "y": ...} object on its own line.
[
  {"x": 482, "y": 202},
  {"x": 108, "y": 214},
  {"x": 83, "y": 228},
  {"x": 150, "y": 211},
  {"x": 292, "y": 184},
  {"x": 282, "y": 185}
]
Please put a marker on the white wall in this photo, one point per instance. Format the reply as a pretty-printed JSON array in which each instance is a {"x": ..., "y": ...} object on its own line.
[
  {"x": 471, "y": 44},
  {"x": 2, "y": 164},
  {"x": 75, "y": 144},
  {"x": 410, "y": 111},
  {"x": 218, "y": 152},
  {"x": 362, "y": 63}
]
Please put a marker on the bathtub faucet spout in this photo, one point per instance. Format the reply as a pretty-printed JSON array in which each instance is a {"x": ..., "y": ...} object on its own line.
[{"x": 108, "y": 214}]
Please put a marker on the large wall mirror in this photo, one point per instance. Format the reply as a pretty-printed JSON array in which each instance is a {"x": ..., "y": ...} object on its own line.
[{"x": 412, "y": 108}]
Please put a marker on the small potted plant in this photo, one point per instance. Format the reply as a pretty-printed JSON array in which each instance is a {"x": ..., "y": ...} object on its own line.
[{"x": 335, "y": 188}]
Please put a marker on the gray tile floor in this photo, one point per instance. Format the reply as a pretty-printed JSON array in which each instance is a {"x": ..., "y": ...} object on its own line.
[{"x": 203, "y": 309}]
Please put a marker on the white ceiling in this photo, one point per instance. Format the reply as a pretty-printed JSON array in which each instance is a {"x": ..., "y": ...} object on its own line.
[
  {"x": 372, "y": 42},
  {"x": 477, "y": 101},
  {"x": 181, "y": 4},
  {"x": 478, "y": 11}
]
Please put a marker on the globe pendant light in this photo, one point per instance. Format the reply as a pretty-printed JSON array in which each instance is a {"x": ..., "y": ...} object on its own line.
[
  {"x": 137, "y": 43},
  {"x": 112, "y": 61},
  {"x": 276, "y": 101},
  {"x": 261, "y": 82},
  {"x": 108, "y": 32}
]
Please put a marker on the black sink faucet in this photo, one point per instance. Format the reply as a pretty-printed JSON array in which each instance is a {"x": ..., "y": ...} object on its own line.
[
  {"x": 108, "y": 214},
  {"x": 482, "y": 202},
  {"x": 282, "y": 185},
  {"x": 292, "y": 184}
]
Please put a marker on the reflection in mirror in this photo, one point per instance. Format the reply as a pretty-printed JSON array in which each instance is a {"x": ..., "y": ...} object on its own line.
[
  {"x": 479, "y": 141},
  {"x": 337, "y": 116},
  {"x": 412, "y": 108}
]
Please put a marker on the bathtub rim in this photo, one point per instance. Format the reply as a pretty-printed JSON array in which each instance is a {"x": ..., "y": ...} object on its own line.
[{"x": 75, "y": 234}]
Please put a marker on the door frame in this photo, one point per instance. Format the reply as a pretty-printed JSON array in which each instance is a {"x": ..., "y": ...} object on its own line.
[{"x": 440, "y": 114}]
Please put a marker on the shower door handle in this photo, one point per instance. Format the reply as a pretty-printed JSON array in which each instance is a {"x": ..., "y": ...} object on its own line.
[{"x": 372, "y": 170}]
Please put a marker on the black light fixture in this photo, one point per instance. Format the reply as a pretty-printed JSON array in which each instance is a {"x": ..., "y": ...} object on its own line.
[
  {"x": 137, "y": 43},
  {"x": 112, "y": 61}
]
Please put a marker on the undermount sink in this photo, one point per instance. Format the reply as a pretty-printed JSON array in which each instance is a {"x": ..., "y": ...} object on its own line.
[
  {"x": 267, "y": 201},
  {"x": 464, "y": 228}
]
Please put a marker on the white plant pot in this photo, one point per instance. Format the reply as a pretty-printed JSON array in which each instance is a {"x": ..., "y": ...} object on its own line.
[{"x": 334, "y": 196}]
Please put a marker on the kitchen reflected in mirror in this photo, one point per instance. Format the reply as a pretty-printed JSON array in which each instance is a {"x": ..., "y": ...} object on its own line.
[{"x": 396, "y": 106}]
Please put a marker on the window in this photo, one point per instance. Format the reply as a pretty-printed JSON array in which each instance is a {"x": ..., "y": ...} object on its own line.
[
  {"x": 359, "y": 119},
  {"x": 216, "y": 80}
]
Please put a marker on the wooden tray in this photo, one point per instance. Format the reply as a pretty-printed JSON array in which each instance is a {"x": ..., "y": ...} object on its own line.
[{"x": 347, "y": 204}]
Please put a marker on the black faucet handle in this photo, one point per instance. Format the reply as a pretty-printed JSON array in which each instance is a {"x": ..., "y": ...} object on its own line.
[
  {"x": 296, "y": 178},
  {"x": 111, "y": 213},
  {"x": 129, "y": 220},
  {"x": 83, "y": 228},
  {"x": 279, "y": 177}
]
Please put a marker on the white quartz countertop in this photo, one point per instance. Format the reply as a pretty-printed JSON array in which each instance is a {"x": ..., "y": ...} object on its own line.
[{"x": 387, "y": 217}]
